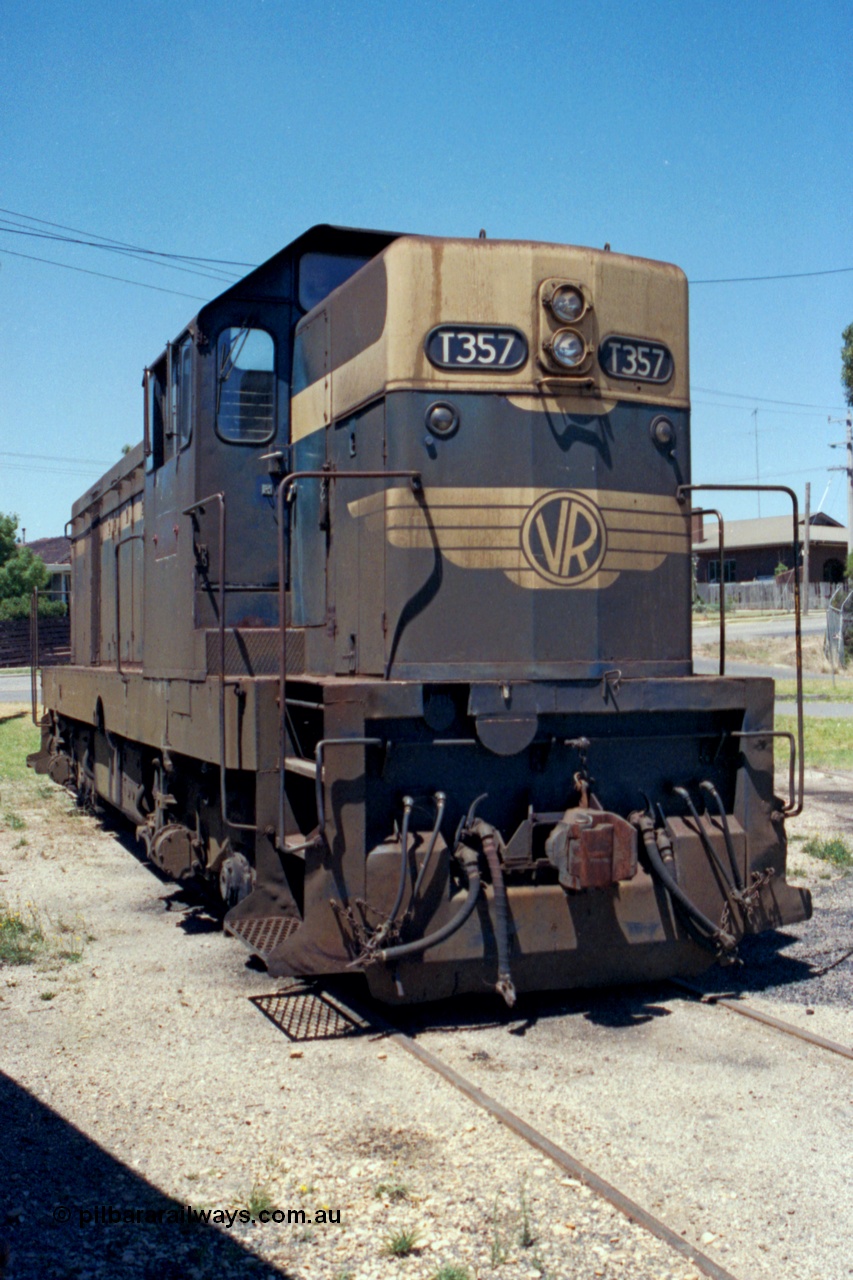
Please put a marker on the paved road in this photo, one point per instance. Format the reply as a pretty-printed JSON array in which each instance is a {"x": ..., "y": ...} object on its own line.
[
  {"x": 744, "y": 628},
  {"x": 15, "y": 686}
]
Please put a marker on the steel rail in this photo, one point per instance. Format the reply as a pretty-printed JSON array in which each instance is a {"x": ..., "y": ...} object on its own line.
[
  {"x": 535, "y": 1138},
  {"x": 766, "y": 1019}
]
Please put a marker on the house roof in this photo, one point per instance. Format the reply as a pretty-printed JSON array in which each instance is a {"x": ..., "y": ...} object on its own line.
[
  {"x": 770, "y": 531},
  {"x": 52, "y": 550}
]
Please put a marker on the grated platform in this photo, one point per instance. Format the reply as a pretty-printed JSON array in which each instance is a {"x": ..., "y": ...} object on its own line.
[{"x": 262, "y": 934}]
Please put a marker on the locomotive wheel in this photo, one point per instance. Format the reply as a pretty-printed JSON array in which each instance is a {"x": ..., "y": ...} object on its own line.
[{"x": 236, "y": 879}]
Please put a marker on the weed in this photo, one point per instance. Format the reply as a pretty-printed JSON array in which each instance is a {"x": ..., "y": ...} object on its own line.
[
  {"x": 306, "y": 1236},
  {"x": 259, "y": 1201},
  {"x": 21, "y": 941},
  {"x": 401, "y": 1243},
  {"x": 525, "y": 1233},
  {"x": 451, "y": 1271},
  {"x": 834, "y": 849},
  {"x": 498, "y": 1251},
  {"x": 47, "y": 995},
  {"x": 391, "y": 1191},
  {"x": 21, "y": 844},
  {"x": 14, "y": 821}
]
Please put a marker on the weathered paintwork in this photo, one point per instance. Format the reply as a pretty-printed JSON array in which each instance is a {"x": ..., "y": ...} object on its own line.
[{"x": 487, "y": 595}]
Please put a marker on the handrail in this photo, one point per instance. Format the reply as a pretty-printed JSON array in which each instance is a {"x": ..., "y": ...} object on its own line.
[
  {"x": 189, "y": 511},
  {"x": 132, "y": 537},
  {"x": 712, "y": 511},
  {"x": 284, "y": 486},
  {"x": 34, "y": 653},
  {"x": 681, "y": 494}
]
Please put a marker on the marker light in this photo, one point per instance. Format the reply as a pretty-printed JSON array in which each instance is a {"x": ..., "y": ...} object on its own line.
[{"x": 568, "y": 348}]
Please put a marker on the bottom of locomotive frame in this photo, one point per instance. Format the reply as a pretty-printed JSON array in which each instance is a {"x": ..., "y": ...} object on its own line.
[{"x": 422, "y": 839}]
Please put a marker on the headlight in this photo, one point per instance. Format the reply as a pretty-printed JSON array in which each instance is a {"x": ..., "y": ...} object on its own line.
[
  {"x": 567, "y": 303},
  {"x": 568, "y": 348}
]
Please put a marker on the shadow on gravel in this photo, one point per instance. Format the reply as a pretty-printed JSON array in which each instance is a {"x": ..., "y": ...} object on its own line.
[
  {"x": 57, "y": 1188},
  {"x": 610, "y": 1007},
  {"x": 763, "y": 964}
]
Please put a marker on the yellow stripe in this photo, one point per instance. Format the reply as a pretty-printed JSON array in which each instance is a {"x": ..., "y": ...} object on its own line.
[{"x": 309, "y": 410}]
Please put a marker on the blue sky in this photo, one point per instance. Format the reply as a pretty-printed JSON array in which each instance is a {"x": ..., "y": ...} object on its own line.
[{"x": 713, "y": 135}]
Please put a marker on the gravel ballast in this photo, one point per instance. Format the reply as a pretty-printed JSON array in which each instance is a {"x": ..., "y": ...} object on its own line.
[{"x": 155, "y": 1074}]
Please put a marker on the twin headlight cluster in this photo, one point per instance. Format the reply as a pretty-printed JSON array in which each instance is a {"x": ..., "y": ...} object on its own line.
[{"x": 567, "y": 307}]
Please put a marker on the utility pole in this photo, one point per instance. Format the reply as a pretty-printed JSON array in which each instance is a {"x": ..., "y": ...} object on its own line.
[
  {"x": 806, "y": 532},
  {"x": 848, "y": 444},
  {"x": 757, "y": 468}
]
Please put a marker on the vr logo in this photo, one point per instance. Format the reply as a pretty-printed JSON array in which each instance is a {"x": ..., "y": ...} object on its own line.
[{"x": 564, "y": 538}]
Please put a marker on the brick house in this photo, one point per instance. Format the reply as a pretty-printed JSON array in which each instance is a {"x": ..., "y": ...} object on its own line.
[
  {"x": 753, "y": 548},
  {"x": 56, "y": 553}
]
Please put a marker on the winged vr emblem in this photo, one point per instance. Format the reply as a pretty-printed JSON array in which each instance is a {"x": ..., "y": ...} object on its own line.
[
  {"x": 540, "y": 538},
  {"x": 564, "y": 538}
]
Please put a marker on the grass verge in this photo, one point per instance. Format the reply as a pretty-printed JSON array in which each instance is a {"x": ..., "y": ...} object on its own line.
[
  {"x": 18, "y": 738},
  {"x": 828, "y": 743},
  {"x": 834, "y": 849},
  {"x": 838, "y": 690}
]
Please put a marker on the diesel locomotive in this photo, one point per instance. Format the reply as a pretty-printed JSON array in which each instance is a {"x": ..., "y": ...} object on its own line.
[{"x": 384, "y": 628}]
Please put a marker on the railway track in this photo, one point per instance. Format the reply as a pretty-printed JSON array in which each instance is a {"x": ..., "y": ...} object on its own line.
[
  {"x": 368, "y": 1019},
  {"x": 738, "y": 1006}
]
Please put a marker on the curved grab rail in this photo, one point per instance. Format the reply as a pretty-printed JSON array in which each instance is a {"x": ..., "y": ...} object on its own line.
[
  {"x": 792, "y": 809},
  {"x": 284, "y": 487}
]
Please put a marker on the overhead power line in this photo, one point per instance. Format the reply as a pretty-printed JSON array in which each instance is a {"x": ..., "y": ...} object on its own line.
[
  {"x": 789, "y": 275},
  {"x": 790, "y": 404},
  {"x": 184, "y": 257},
  {"x": 52, "y": 457},
  {"x": 219, "y": 276},
  {"x": 51, "y": 262}
]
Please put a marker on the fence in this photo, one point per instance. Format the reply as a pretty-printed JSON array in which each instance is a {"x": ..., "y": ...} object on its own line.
[
  {"x": 838, "y": 645},
  {"x": 54, "y": 642},
  {"x": 764, "y": 595}
]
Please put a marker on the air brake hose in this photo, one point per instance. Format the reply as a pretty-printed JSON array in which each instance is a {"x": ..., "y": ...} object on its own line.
[
  {"x": 468, "y": 858},
  {"x": 440, "y": 804},
  {"x": 700, "y": 831},
  {"x": 504, "y": 985},
  {"x": 408, "y": 805},
  {"x": 724, "y": 940},
  {"x": 727, "y": 835}
]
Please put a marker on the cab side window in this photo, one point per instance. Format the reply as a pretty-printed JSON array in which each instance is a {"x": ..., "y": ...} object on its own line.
[
  {"x": 182, "y": 394},
  {"x": 156, "y": 415},
  {"x": 245, "y": 386},
  {"x": 169, "y": 403}
]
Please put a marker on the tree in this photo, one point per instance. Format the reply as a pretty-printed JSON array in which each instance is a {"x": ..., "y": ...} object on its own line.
[
  {"x": 8, "y": 539},
  {"x": 21, "y": 572},
  {"x": 847, "y": 364}
]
